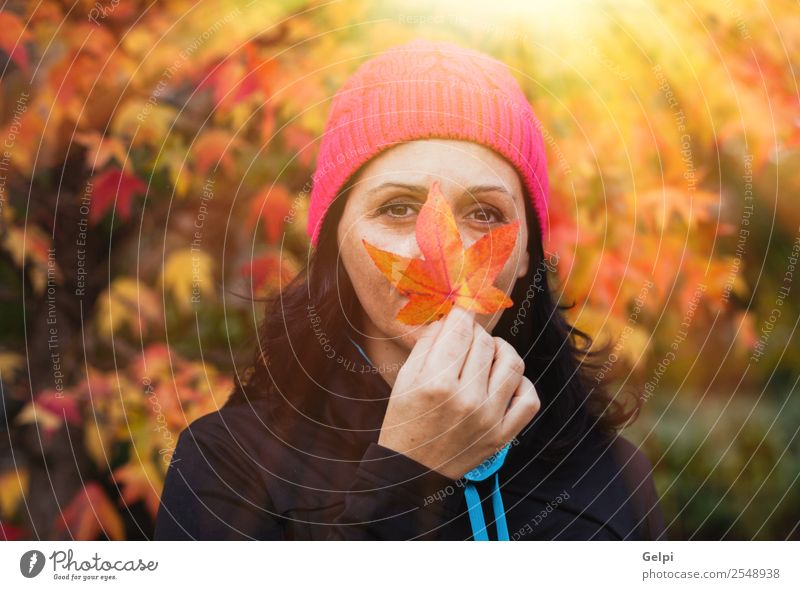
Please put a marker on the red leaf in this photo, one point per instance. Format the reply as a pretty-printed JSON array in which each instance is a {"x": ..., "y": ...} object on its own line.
[
  {"x": 62, "y": 404},
  {"x": 269, "y": 270},
  {"x": 9, "y": 532},
  {"x": 238, "y": 76},
  {"x": 113, "y": 186}
]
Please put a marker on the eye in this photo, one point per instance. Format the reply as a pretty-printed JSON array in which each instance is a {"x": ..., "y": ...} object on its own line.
[
  {"x": 487, "y": 215},
  {"x": 397, "y": 209}
]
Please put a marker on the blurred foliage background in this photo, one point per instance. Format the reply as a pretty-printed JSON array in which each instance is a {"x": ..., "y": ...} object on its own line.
[{"x": 154, "y": 174}]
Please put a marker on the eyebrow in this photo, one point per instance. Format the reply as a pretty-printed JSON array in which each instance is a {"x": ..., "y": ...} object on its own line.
[{"x": 423, "y": 190}]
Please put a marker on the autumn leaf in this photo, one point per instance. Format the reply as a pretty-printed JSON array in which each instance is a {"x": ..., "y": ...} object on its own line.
[
  {"x": 268, "y": 272},
  {"x": 300, "y": 141},
  {"x": 272, "y": 206},
  {"x": 10, "y": 364},
  {"x": 188, "y": 275},
  {"x": 113, "y": 186},
  {"x": 141, "y": 123},
  {"x": 49, "y": 411},
  {"x": 238, "y": 76},
  {"x": 659, "y": 206},
  {"x": 13, "y": 35},
  {"x": 13, "y": 486},
  {"x": 128, "y": 302},
  {"x": 100, "y": 150},
  {"x": 447, "y": 275},
  {"x": 215, "y": 148},
  {"x": 33, "y": 246},
  {"x": 61, "y": 404}
]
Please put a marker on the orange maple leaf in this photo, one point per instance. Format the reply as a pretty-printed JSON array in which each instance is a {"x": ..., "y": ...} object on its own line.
[{"x": 448, "y": 274}]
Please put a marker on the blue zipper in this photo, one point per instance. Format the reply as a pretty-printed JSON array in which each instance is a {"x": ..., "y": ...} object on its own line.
[{"x": 483, "y": 471}]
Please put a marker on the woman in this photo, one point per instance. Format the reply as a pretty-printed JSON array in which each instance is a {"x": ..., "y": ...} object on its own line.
[{"x": 352, "y": 425}]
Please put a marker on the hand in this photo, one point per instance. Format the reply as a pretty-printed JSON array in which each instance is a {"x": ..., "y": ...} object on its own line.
[{"x": 460, "y": 396}]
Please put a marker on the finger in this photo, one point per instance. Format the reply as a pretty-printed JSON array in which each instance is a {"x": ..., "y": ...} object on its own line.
[
  {"x": 450, "y": 346},
  {"x": 507, "y": 372},
  {"x": 412, "y": 367},
  {"x": 524, "y": 405},
  {"x": 478, "y": 365},
  {"x": 422, "y": 346}
]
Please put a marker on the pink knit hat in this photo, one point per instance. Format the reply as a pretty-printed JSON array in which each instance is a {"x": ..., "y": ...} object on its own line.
[{"x": 427, "y": 89}]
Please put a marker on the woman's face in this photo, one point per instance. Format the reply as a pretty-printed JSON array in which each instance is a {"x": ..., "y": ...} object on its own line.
[{"x": 483, "y": 190}]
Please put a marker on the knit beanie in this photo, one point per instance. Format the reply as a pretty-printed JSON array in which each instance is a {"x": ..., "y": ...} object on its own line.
[{"x": 428, "y": 89}]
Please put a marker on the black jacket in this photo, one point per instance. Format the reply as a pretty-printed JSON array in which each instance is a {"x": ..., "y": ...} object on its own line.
[{"x": 231, "y": 477}]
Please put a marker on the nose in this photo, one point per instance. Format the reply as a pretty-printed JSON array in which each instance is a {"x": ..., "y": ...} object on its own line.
[{"x": 409, "y": 247}]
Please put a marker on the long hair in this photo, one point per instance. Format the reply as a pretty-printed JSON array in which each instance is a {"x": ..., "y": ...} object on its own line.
[{"x": 288, "y": 366}]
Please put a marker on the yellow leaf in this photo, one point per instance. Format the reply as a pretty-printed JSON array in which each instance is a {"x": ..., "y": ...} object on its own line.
[
  {"x": 188, "y": 276},
  {"x": 128, "y": 303},
  {"x": 13, "y": 485},
  {"x": 32, "y": 246},
  {"x": 10, "y": 363},
  {"x": 144, "y": 122}
]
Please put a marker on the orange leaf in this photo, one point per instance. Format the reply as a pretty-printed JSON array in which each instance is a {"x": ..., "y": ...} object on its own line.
[
  {"x": 447, "y": 275},
  {"x": 12, "y": 36},
  {"x": 216, "y": 148},
  {"x": 100, "y": 150},
  {"x": 271, "y": 206},
  {"x": 238, "y": 76}
]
